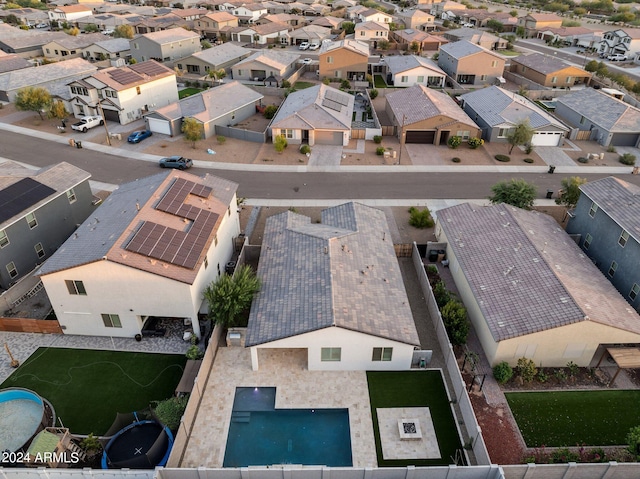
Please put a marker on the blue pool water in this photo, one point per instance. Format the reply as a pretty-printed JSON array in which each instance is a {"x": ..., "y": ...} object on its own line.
[{"x": 260, "y": 436}]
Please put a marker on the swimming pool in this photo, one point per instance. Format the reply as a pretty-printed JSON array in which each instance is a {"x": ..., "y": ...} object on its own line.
[
  {"x": 260, "y": 435},
  {"x": 21, "y": 415}
]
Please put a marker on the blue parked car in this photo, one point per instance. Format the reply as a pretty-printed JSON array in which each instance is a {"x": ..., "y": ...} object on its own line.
[{"x": 138, "y": 136}]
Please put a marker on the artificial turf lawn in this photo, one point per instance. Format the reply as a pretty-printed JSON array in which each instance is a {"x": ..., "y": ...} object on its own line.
[
  {"x": 393, "y": 389},
  {"x": 87, "y": 388},
  {"x": 188, "y": 92},
  {"x": 592, "y": 418}
]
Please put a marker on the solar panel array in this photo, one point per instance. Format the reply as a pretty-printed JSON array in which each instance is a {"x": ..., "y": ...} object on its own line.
[
  {"x": 169, "y": 244},
  {"x": 149, "y": 68},
  {"x": 125, "y": 77},
  {"x": 338, "y": 97},
  {"x": 19, "y": 196},
  {"x": 331, "y": 104}
]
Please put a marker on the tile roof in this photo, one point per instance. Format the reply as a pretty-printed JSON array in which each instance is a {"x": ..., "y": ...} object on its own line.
[
  {"x": 498, "y": 106},
  {"x": 544, "y": 17},
  {"x": 124, "y": 78},
  {"x": 342, "y": 272},
  {"x": 221, "y": 16},
  {"x": 46, "y": 73},
  {"x": 109, "y": 230},
  {"x": 571, "y": 31},
  {"x": 418, "y": 103},
  {"x": 10, "y": 62},
  {"x": 473, "y": 35},
  {"x": 542, "y": 63},
  {"x": 274, "y": 59},
  {"x": 221, "y": 54},
  {"x": 71, "y": 42},
  {"x": 527, "y": 274},
  {"x": 464, "y": 48},
  {"x": 604, "y": 110},
  {"x": 353, "y": 45},
  {"x": 73, "y": 8},
  {"x": 170, "y": 35},
  {"x": 370, "y": 25},
  {"x": 619, "y": 200},
  {"x": 316, "y": 108},
  {"x": 401, "y": 63},
  {"x": 212, "y": 103},
  {"x": 60, "y": 177},
  {"x": 412, "y": 35},
  {"x": 115, "y": 45},
  {"x": 20, "y": 41}
]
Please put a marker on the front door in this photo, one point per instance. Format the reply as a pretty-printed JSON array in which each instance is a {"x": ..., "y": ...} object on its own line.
[{"x": 305, "y": 136}]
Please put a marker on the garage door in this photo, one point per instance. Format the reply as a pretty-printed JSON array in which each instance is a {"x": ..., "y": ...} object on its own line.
[
  {"x": 415, "y": 136},
  {"x": 546, "y": 138},
  {"x": 624, "y": 139},
  {"x": 328, "y": 138},
  {"x": 111, "y": 115},
  {"x": 159, "y": 126}
]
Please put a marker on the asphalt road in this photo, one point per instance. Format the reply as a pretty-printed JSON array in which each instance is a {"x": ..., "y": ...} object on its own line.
[{"x": 278, "y": 185}]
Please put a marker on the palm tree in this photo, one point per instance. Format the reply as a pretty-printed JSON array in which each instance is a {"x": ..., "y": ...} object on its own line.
[{"x": 231, "y": 295}]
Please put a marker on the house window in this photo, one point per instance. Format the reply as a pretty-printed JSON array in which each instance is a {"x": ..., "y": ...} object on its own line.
[
  {"x": 71, "y": 196},
  {"x": 75, "y": 287},
  {"x": 624, "y": 237},
  {"x": 554, "y": 79},
  {"x": 31, "y": 220},
  {"x": 382, "y": 354},
  {"x": 494, "y": 63},
  {"x": 287, "y": 133},
  {"x": 635, "y": 289},
  {"x": 404, "y": 79},
  {"x": 4, "y": 239},
  {"x": 593, "y": 209},
  {"x": 503, "y": 132},
  {"x": 329, "y": 59},
  {"x": 582, "y": 118},
  {"x": 463, "y": 134},
  {"x": 421, "y": 79},
  {"x": 111, "y": 320},
  {"x": 524, "y": 69},
  {"x": 135, "y": 46},
  {"x": 206, "y": 262},
  {"x": 39, "y": 250},
  {"x": 568, "y": 80},
  {"x": 13, "y": 272},
  {"x": 587, "y": 241},
  {"x": 229, "y": 211},
  {"x": 138, "y": 90},
  {"x": 330, "y": 354},
  {"x": 613, "y": 268},
  {"x": 239, "y": 72},
  {"x": 362, "y": 33},
  {"x": 215, "y": 240}
]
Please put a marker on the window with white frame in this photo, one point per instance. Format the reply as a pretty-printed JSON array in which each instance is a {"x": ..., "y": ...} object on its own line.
[
  {"x": 624, "y": 237},
  {"x": 31, "y": 220},
  {"x": 329, "y": 59},
  {"x": 483, "y": 77},
  {"x": 39, "y": 250},
  {"x": 593, "y": 209},
  {"x": 4, "y": 239},
  {"x": 554, "y": 79},
  {"x": 330, "y": 354},
  {"x": 421, "y": 79},
  {"x": 568, "y": 80},
  {"x": 503, "y": 132},
  {"x": 464, "y": 134},
  {"x": 71, "y": 196},
  {"x": 287, "y": 133},
  {"x": 635, "y": 289},
  {"x": 382, "y": 354},
  {"x": 111, "y": 320},
  {"x": 587, "y": 241},
  {"x": 12, "y": 270},
  {"x": 404, "y": 79},
  {"x": 494, "y": 63},
  {"x": 582, "y": 119},
  {"x": 613, "y": 268},
  {"x": 75, "y": 287}
]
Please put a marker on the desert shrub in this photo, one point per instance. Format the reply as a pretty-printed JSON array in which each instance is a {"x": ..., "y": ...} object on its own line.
[
  {"x": 542, "y": 376},
  {"x": 583, "y": 159},
  {"x": 280, "y": 143},
  {"x": 326, "y": 80},
  {"x": 573, "y": 368},
  {"x": 454, "y": 142},
  {"x": 502, "y": 158},
  {"x": 377, "y": 139},
  {"x": 502, "y": 372},
  {"x": 633, "y": 439},
  {"x": 526, "y": 369},
  {"x": 560, "y": 375},
  {"x": 380, "y": 150},
  {"x": 170, "y": 411},
  {"x": 454, "y": 316},
  {"x": 285, "y": 84},
  {"x": 456, "y": 159},
  {"x": 345, "y": 85},
  {"x": 563, "y": 455},
  {"x": 373, "y": 94},
  {"x": 270, "y": 112},
  {"x": 627, "y": 159},
  {"x": 194, "y": 352},
  {"x": 611, "y": 149},
  {"x": 432, "y": 269},
  {"x": 221, "y": 139},
  {"x": 420, "y": 218},
  {"x": 475, "y": 143},
  {"x": 304, "y": 149},
  {"x": 528, "y": 160},
  {"x": 441, "y": 294},
  {"x": 528, "y": 148}
]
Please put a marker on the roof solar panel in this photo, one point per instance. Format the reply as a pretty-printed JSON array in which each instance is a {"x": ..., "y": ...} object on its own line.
[
  {"x": 331, "y": 104},
  {"x": 149, "y": 68},
  {"x": 21, "y": 195},
  {"x": 125, "y": 77},
  {"x": 338, "y": 97}
]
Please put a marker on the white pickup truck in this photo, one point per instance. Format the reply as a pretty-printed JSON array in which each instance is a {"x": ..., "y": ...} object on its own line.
[{"x": 88, "y": 122}]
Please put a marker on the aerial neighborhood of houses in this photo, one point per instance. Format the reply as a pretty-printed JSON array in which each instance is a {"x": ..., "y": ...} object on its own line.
[{"x": 222, "y": 338}]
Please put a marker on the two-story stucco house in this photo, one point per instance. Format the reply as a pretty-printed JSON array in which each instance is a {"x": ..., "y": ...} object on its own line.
[
  {"x": 148, "y": 251},
  {"x": 624, "y": 42},
  {"x": 125, "y": 93},
  {"x": 69, "y": 13},
  {"x": 40, "y": 210},
  {"x": 345, "y": 59},
  {"x": 214, "y": 24},
  {"x": 607, "y": 218},
  {"x": 71, "y": 46},
  {"x": 371, "y": 32},
  {"x": 470, "y": 64},
  {"x": 533, "y": 22},
  {"x": 165, "y": 46}
]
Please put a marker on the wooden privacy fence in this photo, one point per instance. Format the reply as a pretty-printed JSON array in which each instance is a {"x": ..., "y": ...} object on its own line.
[
  {"x": 583, "y": 135},
  {"x": 23, "y": 325},
  {"x": 403, "y": 250}
]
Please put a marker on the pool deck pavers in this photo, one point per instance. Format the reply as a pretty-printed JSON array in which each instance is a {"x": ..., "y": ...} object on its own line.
[{"x": 296, "y": 387}]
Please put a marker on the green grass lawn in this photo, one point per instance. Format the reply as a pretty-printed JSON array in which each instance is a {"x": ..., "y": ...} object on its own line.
[
  {"x": 592, "y": 418},
  {"x": 87, "y": 388},
  {"x": 510, "y": 53},
  {"x": 379, "y": 82},
  {"x": 415, "y": 389},
  {"x": 301, "y": 85},
  {"x": 188, "y": 92}
]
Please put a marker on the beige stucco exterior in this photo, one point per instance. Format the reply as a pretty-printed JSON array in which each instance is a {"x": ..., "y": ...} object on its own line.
[
  {"x": 483, "y": 66},
  {"x": 567, "y": 77},
  {"x": 342, "y": 63},
  {"x": 442, "y": 125}
]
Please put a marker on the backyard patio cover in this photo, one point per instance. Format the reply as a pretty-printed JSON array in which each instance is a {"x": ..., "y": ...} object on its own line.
[{"x": 625, "y": 358}]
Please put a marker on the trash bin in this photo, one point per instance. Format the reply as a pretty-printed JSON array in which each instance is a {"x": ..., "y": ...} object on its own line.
[
  {"x": 230, "y": 267},
  {"x": 433, "y": 255},
  {"x": 78, "y": 144},
  {"x": 552, "y": 169},
  {"x": 549, "y": 194},
  {"x": 441, "y": 254}
]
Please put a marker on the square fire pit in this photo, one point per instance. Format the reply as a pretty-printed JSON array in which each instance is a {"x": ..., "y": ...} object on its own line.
[{"x": 409, "y": 429}]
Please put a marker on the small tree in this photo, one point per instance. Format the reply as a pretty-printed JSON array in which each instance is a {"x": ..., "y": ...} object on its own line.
[
  {"x": 570, "y": 191},
  {"x": 91, "y": 28},
  {"x": 515, "y": 192},
  {"x": 420, "y": 218},
  {"x": 123, "y": 31},
  {"x": 192, "y": 130},
  {"x": 205, "y": 44},
  {"x": 521, "y": 135},
  {"x": 349, "y": 28},
  {"x": 345, "y": 85},
  {"x": 454, "y": 142},
  {"x": 280, "y": 143},
  {"x": 383, "y": 45},
  {"x": 502, "y": 372},
  {"x": 414, "y": 47},
  {"x": 527, "y": 369},
  {"x": 73, "y": 31},
  {"x": 270, "y": 112},
  {"x": 454, "y": 316},
  {"x": 441, "y": 294},
  {"x": 373, "y": 94},
  {"x": 169, "y": 412},
  {"x": 230, "y": 296},
  {"x": 33, "y": 99},
  {"x": 495, "y": 25},
  {"x": 57, "y": 110}
]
